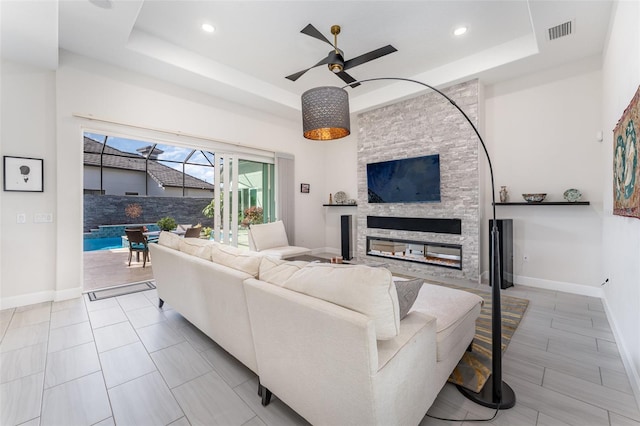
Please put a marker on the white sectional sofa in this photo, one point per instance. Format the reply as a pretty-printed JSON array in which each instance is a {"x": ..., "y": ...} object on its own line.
[{"x": 326, "y": 339}]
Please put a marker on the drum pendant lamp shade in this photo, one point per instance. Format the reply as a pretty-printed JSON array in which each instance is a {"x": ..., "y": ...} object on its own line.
[{"x": 325, "y": 113}]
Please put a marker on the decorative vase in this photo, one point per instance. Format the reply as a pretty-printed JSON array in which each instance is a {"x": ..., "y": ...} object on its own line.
[
  {"x": 504, "y": 195},
  {"x": 330, "y": 198}
]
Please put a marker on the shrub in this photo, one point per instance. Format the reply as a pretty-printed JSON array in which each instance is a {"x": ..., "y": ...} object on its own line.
[
  {"x": 252, "y": 215},
  {"x": 167, "y": 223}
]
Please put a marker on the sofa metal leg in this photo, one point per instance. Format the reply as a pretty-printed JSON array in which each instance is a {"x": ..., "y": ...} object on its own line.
[
  {"x": 259, "y": 388},
  {"x": 470, "y": 348},
  {"x": 160, "y": 302},
  {"x": 266, "y": 396}
]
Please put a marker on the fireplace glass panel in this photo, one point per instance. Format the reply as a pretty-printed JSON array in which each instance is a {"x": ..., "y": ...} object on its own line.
[{"x": 439, "y": 254}]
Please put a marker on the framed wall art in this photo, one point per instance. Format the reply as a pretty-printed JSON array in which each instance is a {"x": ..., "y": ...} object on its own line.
[
  {"x": 304, "y": 188},
  {"x": 626, "y": 170},
  {"x": 23, "y": 174}
]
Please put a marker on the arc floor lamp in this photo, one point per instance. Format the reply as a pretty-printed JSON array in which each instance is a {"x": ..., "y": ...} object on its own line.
[{"x": 325, "y": 116}]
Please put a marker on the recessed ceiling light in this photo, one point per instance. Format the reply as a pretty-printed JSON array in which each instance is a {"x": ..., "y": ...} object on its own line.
[
  {"x": 459, "y": 31},
  {"x": 208, "y": 28}
]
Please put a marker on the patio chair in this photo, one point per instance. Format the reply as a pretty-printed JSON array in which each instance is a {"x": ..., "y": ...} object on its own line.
[
  {"x": 193, "y": 232},
  {"x": 182, "y": 229},
  {"x": 137, "y": 243}
]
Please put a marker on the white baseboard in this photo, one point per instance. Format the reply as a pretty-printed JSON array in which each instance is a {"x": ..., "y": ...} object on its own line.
[
  {"x": 565, "y": 287},
  {"x": 632, "y": 372},
  {"x": 26, "y": 299},
  {"x": 39, "y": 297},
  {"x": 329, "y": 250},
  {"x": 70, "y": 293}
]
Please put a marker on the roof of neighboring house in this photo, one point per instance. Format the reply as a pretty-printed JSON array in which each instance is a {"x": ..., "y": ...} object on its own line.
[{"x": 116, "y": 159}]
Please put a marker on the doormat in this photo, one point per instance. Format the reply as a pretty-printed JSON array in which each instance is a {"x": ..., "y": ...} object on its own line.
[{"x": 120, "y": 290}]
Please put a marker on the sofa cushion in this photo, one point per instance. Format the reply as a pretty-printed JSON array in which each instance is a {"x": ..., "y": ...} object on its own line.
[
  {"x": 277, "y": 271},
  {"x": 197, "y": 247},
  {"x": 285, "y": 252},
  {"x": 407, "y": 294},
  {"x": 236, "y": 258},
  {"x": 360, "y": 288},
  {"x": 169, "y": 239},
  {"x": 269, "y": 235},
  {"x": 455, "y": 311}
]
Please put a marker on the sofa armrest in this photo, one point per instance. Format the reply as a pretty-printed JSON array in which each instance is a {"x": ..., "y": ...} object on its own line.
[{"x": 407, "y": 370}]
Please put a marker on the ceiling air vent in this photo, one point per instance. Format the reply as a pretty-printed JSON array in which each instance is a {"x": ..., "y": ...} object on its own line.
[{"x": 561, "y": 30}]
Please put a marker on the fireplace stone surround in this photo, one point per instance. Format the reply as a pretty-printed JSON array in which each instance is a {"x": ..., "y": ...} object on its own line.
[{"x": 420, "y": 126}]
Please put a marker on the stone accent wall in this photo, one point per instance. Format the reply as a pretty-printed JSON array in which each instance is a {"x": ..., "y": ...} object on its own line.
[
  {"x": 110, "y": 210},
  {"x": 425, "y": 125}
]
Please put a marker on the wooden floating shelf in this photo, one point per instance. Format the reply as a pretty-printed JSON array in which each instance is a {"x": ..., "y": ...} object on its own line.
[
  {"x": 548, "y": 203},
  {"x": 340, "y": 205}
]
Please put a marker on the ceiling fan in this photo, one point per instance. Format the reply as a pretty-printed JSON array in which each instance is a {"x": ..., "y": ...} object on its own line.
[{"x": 335, "y": 59}]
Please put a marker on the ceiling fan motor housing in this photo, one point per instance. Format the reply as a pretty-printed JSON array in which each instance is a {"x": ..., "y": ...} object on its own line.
[{"x": 336, "y": 62}]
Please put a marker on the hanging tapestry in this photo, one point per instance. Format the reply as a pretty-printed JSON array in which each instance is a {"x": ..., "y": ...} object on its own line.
[{"x": 626, "y": 159}]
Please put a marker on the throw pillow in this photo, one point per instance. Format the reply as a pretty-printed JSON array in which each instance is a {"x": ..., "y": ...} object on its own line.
[{"x": 407, "y": 294}]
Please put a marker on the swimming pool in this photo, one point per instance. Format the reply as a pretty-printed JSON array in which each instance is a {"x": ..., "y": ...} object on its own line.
[{"x": 93, "y": 244}]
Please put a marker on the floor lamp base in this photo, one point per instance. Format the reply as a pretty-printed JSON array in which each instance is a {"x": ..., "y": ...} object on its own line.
[{"x": 485, "y": 396}]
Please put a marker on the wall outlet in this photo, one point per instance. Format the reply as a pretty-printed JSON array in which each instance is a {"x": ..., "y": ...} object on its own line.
[{"x": 21, "y": 218}]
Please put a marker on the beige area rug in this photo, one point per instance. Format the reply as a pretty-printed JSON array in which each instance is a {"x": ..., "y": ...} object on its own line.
[{"x": 474, "y": 368}]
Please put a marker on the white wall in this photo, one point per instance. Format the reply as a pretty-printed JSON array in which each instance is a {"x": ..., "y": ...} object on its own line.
[
  {"x": 28, "y": 99},
  {"x": 541, "y": 134},
  {"x": 40, "y": 108},
  {"x": 341, "y": 158},
  {"x": 621, "y": 235}
]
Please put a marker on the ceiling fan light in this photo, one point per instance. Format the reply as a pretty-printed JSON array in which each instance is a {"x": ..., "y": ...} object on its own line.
[
  {"x": 336, "y": 68},
  {"x": 325, "y": 113}
]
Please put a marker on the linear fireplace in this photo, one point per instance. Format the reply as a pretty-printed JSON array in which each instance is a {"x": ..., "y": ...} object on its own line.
[{"x": 430, "y": 253}]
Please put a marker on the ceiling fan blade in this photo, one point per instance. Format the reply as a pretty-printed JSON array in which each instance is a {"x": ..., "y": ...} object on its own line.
[
  {"x": 295, "y": 76},
  {"x": 310, "y": 30},
  {"x": 374, "y": 54},
  {"x": 347, "y": 78}
]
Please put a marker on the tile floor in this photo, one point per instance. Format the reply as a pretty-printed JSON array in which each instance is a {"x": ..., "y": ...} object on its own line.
[{"x": 123, "y": 361}]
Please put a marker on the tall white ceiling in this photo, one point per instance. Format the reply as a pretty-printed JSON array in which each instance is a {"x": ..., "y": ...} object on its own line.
[{"x": 257, "y": 43}]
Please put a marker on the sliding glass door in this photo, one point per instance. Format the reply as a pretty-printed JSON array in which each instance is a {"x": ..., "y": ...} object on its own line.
[
  {"x": 247, "y": 187},
  {"x": 225, "y": 191}
]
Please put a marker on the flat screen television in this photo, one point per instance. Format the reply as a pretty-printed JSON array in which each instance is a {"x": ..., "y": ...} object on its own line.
[{"x": 408, "y": 180}]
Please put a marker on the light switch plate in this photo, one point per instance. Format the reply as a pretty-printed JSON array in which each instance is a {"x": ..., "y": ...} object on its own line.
[
  {"x": 43, "y": 218},
  {"x": 21, "y": 218}
]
